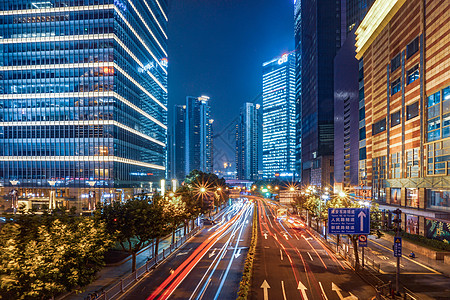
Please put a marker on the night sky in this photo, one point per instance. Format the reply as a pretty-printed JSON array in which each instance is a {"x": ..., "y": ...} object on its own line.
[{"x": 217, "y": 47}]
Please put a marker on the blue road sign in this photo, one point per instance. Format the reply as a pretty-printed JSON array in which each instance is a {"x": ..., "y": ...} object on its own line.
[
  {"x": 362, "y": 240},
  {"x": 348, "y": 220},
  {"x": 397, "y": 246}
]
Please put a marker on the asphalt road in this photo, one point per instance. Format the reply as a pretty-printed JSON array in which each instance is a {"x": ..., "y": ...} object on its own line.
[
  {"x": 208, "y": 267},
  {"x": 291, "y": 263}
]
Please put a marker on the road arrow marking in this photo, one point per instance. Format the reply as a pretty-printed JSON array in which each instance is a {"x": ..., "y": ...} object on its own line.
[
  {"x": 285, "y": 236},
  {"x": 237, "y": 254},
  {"x": 335, "y": 288},
  {"x": 361, "y": 216},
  {"x": 265, "y": 286},
  {"x": 212, "y": 253},
  {"x": 265, "y": 236},
  {"x": 308, "y": 238},
  {"x": 302, "y": 289},
  {"x": 338, "y": 291}
]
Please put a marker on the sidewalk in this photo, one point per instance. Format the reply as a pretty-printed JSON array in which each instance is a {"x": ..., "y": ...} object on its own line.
[
  {"x": 438, "y": 265},
  {"x": 110, "y": 275}
]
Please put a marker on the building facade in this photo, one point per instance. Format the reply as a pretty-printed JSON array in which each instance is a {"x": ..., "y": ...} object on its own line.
[
  {"x": 247, "y": 142},
  {"x": 83, "y": 98},
  {"x": 279, "y": 126},
  {"x": 407, "y": 111},
  {"x": 198, "y": 140},
  {"x": 320, "y": 39},
  {"x": 298, "y": 88},
  {"x": 178, "y": 143}
]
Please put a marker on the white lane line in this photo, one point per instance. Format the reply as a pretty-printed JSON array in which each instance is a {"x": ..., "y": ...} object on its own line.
[
  {"x": 296, "y": 237},
  {"x": 323, "y": 292},
  {"x": 284, "y": 292},
  {"x": 310, "y": 256},
  {"x": 281, "y": 254}
]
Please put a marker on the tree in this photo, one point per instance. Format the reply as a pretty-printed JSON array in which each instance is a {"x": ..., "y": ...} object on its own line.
[
  {"x": 135, "y": 223},
  {"x": 41, "y": 256},
  {"x": 192, "y": 204}
]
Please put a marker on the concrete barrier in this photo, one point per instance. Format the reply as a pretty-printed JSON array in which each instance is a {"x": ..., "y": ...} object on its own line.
[
  {"x": 447, "y": 259},
  {"x": 432, "y": 254}
]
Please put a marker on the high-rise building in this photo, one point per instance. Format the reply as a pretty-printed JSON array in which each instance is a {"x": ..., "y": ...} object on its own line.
[
  {"x": 407, "y": 111},
  {"x": 198, "y": 141},
  {"x": 247, "y": 142},
  {"x": 298, "y": 88},
  {"x": 178, "y": 143},
  {"x": 83, "y": 98},
  {"x": 320, "y": 39},
  {"x": 279, "y": 117},
  {"x": 349, "y": 125}
]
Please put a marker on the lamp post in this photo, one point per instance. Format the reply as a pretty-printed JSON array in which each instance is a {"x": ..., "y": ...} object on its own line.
[
  {"x": 91, "y": 205},
  {"x": 14, "y": 196},
  {"x": 51, "y": 198}
]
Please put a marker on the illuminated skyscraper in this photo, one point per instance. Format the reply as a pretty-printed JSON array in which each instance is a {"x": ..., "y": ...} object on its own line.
[
  {"x": 247, "y": 141},
  {"x": 198, "y": 135},
  {"x": 83, "y": 98},
  {"x": 177, "y": 159},
  {"x": 279, "y": 117}
]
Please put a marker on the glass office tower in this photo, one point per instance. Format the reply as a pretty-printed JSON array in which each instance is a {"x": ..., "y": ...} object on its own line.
[
  {"x": 83, "y": 99},
  {"x": 279, "y": 117}
]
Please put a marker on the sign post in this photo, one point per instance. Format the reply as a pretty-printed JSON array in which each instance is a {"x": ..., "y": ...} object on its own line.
[
  {"x": 348, "y": 221},
  {"x": 397, "y": 246},
  {"x": 362, "y": 241}
]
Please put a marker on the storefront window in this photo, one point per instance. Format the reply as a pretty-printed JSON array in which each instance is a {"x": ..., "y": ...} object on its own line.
[
  {"x": 439, "y": 199},
  {"x": 412, "y": 224},
  {"x": 396, "y": 196},
  {"x": 412, "y": 198}
]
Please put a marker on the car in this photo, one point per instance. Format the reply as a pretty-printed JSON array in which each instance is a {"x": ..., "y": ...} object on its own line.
[{"x": 208, "y": 222}]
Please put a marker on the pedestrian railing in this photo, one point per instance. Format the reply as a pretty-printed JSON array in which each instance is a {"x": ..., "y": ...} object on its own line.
[
  {"x": 384, "y": 291},
  {"x": 127, "y": 281},
  {"x": 410, "y": 295}
]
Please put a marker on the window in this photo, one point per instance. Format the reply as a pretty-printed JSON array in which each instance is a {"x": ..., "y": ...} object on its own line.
[
  {"x": 412, "y": 163},
  {"x": 362, "y": 114},
  {"x": 412, "y": 74},
  {"x": 362, "y": 133},
  {"x": 395, "y": 63},
  {"x": 438, "y": 199},
  {"x": 395, "y": 118},
  {"x": 378, "y": 127},
  {"x": 395, "y": 196},
  {"x": 412, "y": 110},
  {"x": 412, "y": 48},
  {"x": 412, "y": 198},
  {"x": 395, "y": 86},
  {"x": 433, "y": 115},
  {"x": 396, "y": 165}
]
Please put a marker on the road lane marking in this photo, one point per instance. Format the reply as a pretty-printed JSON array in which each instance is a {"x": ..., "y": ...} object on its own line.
[
  {"x": 422, "y": 265},
  {"x": 265, "y": 286},
  {"x": 284, "y": 292},
  {"x": 281, "y": 253},
  {"x": 323, "y": 292},
  {"x": 310, "y": 256},
  {"x": 296, "y": 237}
]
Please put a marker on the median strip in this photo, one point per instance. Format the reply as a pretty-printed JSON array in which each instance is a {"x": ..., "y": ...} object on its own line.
[{"x": 244, "y": 286}]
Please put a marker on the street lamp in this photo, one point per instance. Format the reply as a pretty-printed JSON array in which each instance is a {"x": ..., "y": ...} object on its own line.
[{"x": 163, "y": 187}]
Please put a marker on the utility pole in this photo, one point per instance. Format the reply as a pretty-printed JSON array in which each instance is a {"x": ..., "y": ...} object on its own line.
[{"x": 397, "y": 221}]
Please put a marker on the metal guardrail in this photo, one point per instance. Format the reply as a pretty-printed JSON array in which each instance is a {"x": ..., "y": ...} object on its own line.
[{"x": 128, "y": 280}]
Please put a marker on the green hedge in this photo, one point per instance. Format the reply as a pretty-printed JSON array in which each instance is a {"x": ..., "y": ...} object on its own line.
[
  {"x": 424, "y": 241},
  {"x": 245, "y": 284}
]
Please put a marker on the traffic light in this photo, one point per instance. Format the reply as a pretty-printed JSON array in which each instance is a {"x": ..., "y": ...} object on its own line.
[{"x": 397, "y": 220}]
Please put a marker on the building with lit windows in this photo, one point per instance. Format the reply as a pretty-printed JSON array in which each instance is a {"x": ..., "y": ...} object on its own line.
[
  {"x": 279, "y": 126},
  {"x": 198, "y": 139},
  {"x": 407, "y": 112},
  {"x": 247, "y": 142},
  {"x": 83, "y": 99}
]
